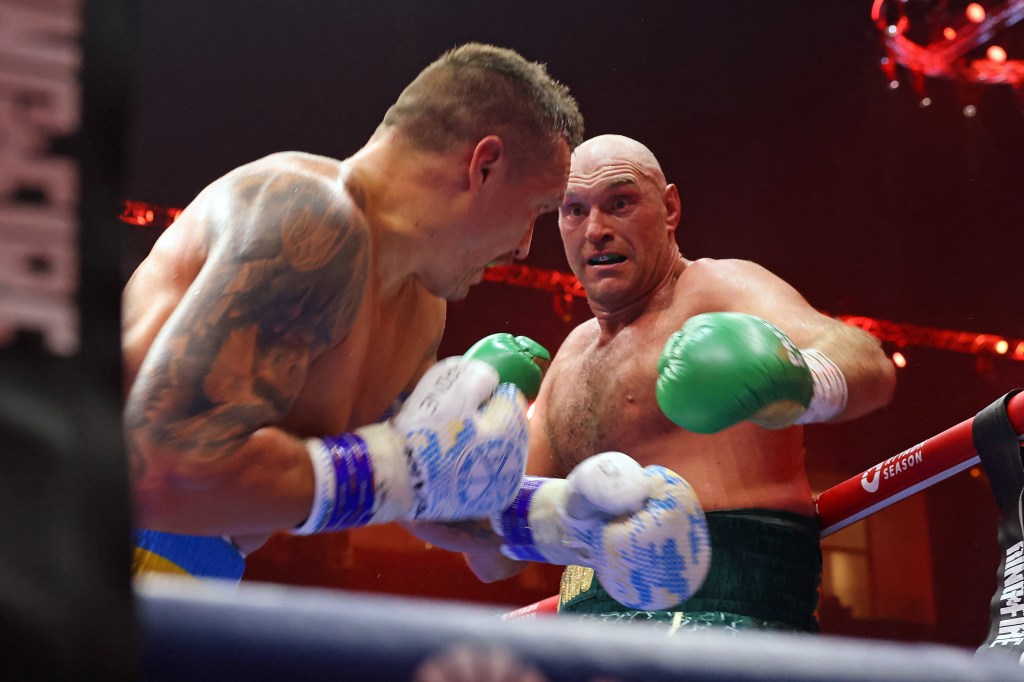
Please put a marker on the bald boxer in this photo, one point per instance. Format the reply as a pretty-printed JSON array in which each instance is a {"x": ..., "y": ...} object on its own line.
[
  {"x": 298, "y": 296},
  {"x": 708, "y": 368}
]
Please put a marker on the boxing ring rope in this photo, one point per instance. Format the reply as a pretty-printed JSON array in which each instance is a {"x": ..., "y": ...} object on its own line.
[
  {"x": 909, "y": 472},
  {"x": 880, "y": 486},
  {"x": 210, "y": 631}
]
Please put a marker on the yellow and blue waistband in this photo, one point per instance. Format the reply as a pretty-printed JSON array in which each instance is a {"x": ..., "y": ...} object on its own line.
[{"x": 198, "y": 556}]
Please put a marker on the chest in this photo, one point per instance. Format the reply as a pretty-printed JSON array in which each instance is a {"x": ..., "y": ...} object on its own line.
[
  {"x": 355, "y": 382},
  {"x": 605, "y": 399}
]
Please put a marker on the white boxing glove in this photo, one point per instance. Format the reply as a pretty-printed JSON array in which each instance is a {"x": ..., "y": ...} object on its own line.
[
  {"x": 641, "y": 530},
  {"x": 456, "y": 450}
]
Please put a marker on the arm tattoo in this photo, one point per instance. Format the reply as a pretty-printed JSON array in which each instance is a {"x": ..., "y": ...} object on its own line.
[{"x": 283, "y": 282}]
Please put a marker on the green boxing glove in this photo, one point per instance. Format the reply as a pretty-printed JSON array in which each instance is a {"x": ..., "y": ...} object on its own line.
[
  {"x": 518, "y": 359},
  {"x": 723, "y": 368}
]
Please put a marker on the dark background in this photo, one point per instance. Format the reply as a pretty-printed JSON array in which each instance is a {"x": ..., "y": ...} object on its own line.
[{"x": 788, "y": 147}]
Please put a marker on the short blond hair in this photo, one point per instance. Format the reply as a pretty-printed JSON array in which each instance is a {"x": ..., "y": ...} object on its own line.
[{"x": 477, "y": 90}]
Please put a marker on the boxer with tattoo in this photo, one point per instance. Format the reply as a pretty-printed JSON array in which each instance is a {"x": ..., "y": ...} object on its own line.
[{"x": 297, "y": 297}]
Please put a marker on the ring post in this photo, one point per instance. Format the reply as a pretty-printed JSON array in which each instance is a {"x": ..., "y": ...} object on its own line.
[{"x": 998, "y": 446}]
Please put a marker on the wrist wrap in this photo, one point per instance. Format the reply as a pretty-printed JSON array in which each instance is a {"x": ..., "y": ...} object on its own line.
[
  {"x": 344, "y": 484},
  {"x": 514, "y": 522},
  {"x": 830, "y": 391}
]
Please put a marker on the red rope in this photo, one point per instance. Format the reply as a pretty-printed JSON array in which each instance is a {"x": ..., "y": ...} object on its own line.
[{"x": 564, "y": 287}]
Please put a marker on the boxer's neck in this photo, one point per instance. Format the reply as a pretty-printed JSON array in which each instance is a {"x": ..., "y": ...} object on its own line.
[
  {"x": 612, "y": 320},
  {"x": 406, "y": 198}
]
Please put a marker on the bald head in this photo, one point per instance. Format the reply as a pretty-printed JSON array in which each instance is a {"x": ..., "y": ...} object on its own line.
[
  {"x": 618, "y": 222},
  {"x": 609, "y": 151}
]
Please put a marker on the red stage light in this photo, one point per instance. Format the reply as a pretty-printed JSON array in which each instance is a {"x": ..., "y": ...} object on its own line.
[
  {"x": 909, "y": 42},
  {"x": 996, "y": 54}
]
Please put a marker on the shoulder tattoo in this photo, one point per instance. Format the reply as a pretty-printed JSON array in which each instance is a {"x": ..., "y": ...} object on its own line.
[{"x": 284, "y": 280}]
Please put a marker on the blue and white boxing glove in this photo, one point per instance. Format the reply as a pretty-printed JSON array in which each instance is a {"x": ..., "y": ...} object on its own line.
[
  {"x": 456, "y": 450},
  {"x": 642, "y": 530}
]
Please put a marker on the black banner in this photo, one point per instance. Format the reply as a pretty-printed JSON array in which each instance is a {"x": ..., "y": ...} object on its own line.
[
  {"x": 1000, "y": 452},
  {"x": 66, "y": 608}
]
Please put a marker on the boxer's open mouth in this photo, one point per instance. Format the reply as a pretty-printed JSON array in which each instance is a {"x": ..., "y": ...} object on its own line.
[{"x": 606, "y": 259}]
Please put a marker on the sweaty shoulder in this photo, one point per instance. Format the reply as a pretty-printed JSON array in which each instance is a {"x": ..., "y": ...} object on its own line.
[
  {"x": 716, "y": 283},
  {"x": 283, "y": 276},
  {"x": 288, "y": 242},
  {"x": 291, "y": 184},
  {"x": 723, "y": 271},
  {"x": 582, "y": 336}
]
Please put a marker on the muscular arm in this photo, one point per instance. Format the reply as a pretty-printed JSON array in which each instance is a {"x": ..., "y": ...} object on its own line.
[
  {"x": 284, "y": 277},
  {"x": 746, "y": 287},
  {"x": 870, "y": 376}
]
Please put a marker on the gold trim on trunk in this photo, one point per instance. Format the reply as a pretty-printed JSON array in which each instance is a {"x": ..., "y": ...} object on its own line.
[{"x": 575, "y": 580}]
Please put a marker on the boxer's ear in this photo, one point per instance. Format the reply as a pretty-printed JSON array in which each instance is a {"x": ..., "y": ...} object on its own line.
[
  {"x": 488, "y": 161},
  {"x": 673, "y": 206}
]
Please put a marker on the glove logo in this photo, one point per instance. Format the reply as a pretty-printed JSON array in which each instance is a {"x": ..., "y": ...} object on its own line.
[
  {"x": 481, "y": 481},
  {"x": 466, "y": 474},
  {"x": 439, "y": 393}
]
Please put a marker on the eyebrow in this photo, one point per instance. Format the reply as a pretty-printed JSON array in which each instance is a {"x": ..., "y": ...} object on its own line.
[{"x": 613, "y": 185}]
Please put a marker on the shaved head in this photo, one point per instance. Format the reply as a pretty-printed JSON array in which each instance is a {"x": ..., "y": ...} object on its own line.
[
  {"x": 618, "y": 223},
  {"x": 606, "y": 151}
]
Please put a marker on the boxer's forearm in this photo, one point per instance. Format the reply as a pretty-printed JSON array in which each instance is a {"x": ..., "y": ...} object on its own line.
[
  {"x": 263, "y": 484},
  {"x": 476, "y": 540},
  {"x": 490, "y": 565},
  {"x": 463, "y": 536},
  {"x": 870, "y": 376},
  {"x": 402, "y": 468}
]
